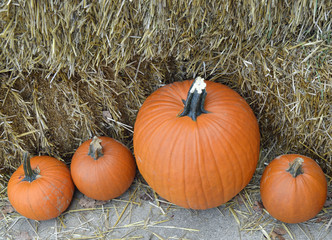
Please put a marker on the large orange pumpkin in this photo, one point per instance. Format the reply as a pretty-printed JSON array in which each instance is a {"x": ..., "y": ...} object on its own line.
[
  {"x": 41, "y": 188},
  {"x": 293, "y": 188},
  {"x": 200, "y": 152},
  {"x": 103, "y": 168}
]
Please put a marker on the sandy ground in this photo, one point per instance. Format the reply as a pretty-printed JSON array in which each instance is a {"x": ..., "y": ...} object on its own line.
[{"x": 139, "y": 214}]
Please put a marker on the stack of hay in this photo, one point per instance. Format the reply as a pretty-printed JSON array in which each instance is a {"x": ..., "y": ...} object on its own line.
[{"x": 74, "y": 69}]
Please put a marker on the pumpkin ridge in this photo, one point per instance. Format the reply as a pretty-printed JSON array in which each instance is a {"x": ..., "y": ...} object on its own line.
[
  {"x": 160, "y": 104},
  {"x": 170, "y": 103},
  {"x": 278, "y": 187},
  {"x": 313, "y": 181},
  {"x": 313, "y": 178},
  {"x": 233, "y": 109},
  {"x": 242, "y": 133},
  {"x": 48, "y": 181},
  {"x": 151, "y": 128},
  {"x": 57, "y": 178},
  {"x": 221, "y": 135},
  {"x": 200, "y": 160},
  {"x": 164, "y": 116},
  {"x": 88, "y": 172},
  {"x": 315, "y": 170},
  {"x": 293, "y": 192},
  {"x": 234, "y": 168},
  {"x": 148, "y": 139},
  {"x": 310, "y": 190},
  {"x": 230, "y": 147},
  {"x": 174, "y": 135},
  {"x": 41, "y": 186},
  {"x": 184, "y": 184},
  {"x": 29, "y": 201},
  {"x": 19, "y": 189},
  {"x": 317, "y": 188},
  {"x": 177, "y": 128},
  {"x": 51, "y": 170},
  {"x": 231, "y": 105},
  {"x": 95, "y": 175},
  {"x": 210, "y": 143},
  {"x": 177, "y": 91},
  {"x": 46, "y": 167},
  {"x": 204, "y": 140},
  {"x": 112, "y": 178},
  {"x": 49, "y": 167},
  {"x": 169, "y": 167},
  {"x": 166, "y": 94},
  {"x": 36, "y": 185},
  {"x": 232, "y": 113}
]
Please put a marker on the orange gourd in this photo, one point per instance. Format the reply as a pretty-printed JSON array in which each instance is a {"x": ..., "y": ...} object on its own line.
[
  {"x": 103, "y": 168},
  {"x": 200, "y": 152},
  {"x": 41, "y": 188},
  {"x": 293, "y": 188}
]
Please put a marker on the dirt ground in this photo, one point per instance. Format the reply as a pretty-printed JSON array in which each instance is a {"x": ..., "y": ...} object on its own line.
[{"x": 141, "y": 214}]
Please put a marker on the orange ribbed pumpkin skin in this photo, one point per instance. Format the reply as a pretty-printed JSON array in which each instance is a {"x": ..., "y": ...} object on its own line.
[
  {"x": 289, "y": 199},
  {"x": 196, "y": 164},
  {"x": 47, "y": 196},
  {"x": 107, "y": 177}
]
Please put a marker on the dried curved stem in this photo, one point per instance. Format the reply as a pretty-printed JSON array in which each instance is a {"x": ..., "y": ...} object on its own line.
[
  {"x": 295, "y": 167},
  {"x": 95, "y": 148},
  {"x": 29, "y": 174}
]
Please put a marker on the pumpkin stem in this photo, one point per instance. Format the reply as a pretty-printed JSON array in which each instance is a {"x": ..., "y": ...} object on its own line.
[
  {"x": 29, "y": 174},
  {"x": 295, "y": 167},
  {"x": 194, "y": 105},
  {"x": 95, "y": 149}
]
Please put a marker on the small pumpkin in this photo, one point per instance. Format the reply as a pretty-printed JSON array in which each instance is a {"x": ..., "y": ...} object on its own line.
[
  {"x": 103, "y": 168},
  {"x": 293, "y": 188},
  {"x": 200, "y": 152},
  {"x": 41, "y": 188}
]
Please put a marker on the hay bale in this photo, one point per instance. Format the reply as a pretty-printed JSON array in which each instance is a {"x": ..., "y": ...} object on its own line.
[{"x": 74, "y": 69}]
